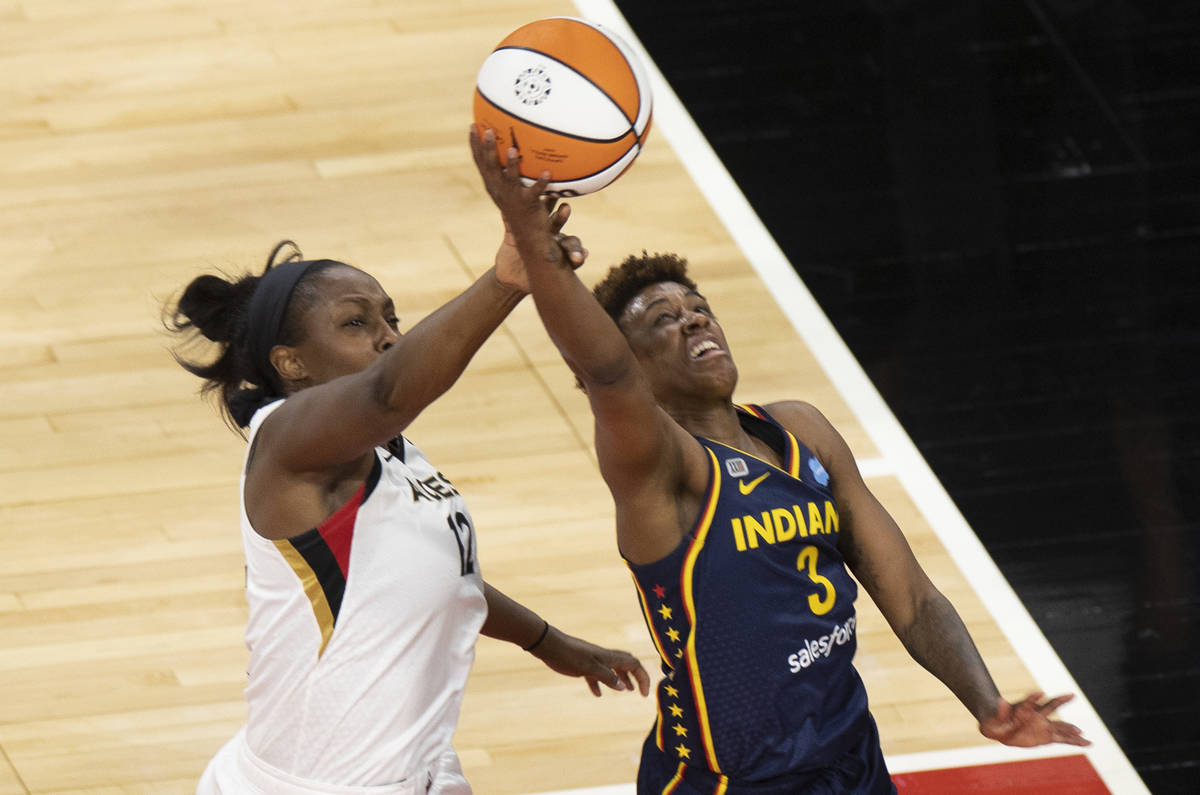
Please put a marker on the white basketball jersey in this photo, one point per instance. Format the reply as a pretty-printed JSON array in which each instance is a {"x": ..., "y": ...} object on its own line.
[{"x": 362, "y": 630}]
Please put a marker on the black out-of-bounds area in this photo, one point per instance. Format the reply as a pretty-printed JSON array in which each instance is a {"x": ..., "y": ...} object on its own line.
[{"x": 997, "y": 203}]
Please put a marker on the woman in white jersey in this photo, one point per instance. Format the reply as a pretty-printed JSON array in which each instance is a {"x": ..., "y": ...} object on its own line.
[{"x": 362, "y": 579}]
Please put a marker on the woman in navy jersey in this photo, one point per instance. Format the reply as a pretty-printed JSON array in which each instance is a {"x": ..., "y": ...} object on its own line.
[
  {"x": 362, "y": 579},
  {"x": 741, "y": 525}
]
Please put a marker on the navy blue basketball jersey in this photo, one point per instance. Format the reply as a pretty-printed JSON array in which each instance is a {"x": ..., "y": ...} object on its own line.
[{"x": 753, "y": 617}]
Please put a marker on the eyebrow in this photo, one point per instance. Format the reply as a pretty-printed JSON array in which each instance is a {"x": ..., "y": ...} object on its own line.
[
  {"x": 364, "y": 301},
  {"x": 664, "y": 298}
]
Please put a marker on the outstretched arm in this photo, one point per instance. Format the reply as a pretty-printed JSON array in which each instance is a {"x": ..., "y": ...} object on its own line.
[
  {"x": 585, "y": 335},
  {"x": 511, "y": 621},
  {"x": 338, "y": 421},
  {"x": 644, "y": 455},
  {"x": 920, "y": 615},
  {"x": 327, "y": 425}
]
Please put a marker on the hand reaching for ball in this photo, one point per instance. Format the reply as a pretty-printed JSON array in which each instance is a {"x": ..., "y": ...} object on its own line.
[
  {"x": 572, "y": 95},
  {"x": 530, "y": 217}
]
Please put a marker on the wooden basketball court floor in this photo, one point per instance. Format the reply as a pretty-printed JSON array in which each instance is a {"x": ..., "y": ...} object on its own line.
[{"x": 145, "y": 141}]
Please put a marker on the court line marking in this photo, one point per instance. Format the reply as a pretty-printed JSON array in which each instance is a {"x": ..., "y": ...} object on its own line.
[
  {"x": 992, "y": 754},
  {"x": 768, "y": 260},
  {"x": 875, "y": 467}
]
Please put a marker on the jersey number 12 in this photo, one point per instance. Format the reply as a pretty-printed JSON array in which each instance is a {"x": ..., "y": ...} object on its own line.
[{"x": 460, "y": 528}]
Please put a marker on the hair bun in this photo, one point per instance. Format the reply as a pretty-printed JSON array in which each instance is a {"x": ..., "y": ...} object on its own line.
[{"x": 214, "y": 306}]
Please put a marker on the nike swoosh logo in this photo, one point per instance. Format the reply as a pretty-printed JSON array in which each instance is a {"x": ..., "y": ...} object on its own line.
[{"x": 746, "y": 488}]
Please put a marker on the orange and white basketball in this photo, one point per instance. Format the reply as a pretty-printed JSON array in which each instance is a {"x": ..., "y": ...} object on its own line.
[{"x": 571, "y": 96}]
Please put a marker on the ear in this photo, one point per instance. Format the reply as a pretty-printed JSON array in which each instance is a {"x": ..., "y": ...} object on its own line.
[{"x": 287, "y": 362}]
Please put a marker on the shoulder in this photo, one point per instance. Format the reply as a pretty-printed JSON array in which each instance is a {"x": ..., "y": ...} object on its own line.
[
  {"x": 806, "y": 422},
  {"x": 803, "y": 419}
]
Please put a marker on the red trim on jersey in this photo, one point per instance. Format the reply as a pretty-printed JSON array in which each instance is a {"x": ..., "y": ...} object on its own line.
[{"x": 338, "y": 530}]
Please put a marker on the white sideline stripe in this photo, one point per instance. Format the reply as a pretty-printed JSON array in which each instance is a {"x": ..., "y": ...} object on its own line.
[
  {"x": 806, "y": 316},
  {"x": 875, "y": 467}
]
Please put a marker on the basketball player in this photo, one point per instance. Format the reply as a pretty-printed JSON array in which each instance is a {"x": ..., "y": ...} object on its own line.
[
  {"x": 362, "y": 576},
  {"x": 739, "y": 523}
]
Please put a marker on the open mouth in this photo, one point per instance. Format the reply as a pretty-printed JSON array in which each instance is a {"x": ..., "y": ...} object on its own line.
[{"x": 700, "y": 349}]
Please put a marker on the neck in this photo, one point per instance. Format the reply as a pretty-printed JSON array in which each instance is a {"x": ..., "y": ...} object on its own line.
[{"x": 718, "y": 422}]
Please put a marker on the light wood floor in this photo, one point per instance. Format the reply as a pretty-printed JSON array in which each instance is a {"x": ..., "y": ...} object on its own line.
[{"x": 145, "y": 141}]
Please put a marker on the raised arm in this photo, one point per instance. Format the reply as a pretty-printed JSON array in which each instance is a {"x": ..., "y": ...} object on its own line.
[
  {"x": 921, "y": 616},
  {"x": 335, "y": 422},
  {"x": 645, "y": 457},
  {"x": 329, "y": 424}
]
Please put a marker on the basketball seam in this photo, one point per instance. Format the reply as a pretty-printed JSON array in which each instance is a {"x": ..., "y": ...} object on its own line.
[
  {"x": 636, "y": 149},
  {"x": 631, "y": 122},
  {"x": 559, "y": 132}
]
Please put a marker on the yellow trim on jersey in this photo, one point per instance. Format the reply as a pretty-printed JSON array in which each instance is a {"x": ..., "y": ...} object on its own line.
[
  {"x": 312, "y": 589},
  {"x": 689, "y": 604},
  {"x": 750, "y": 409},
  {"x": 722, "y": 785},
  {"x": 675, "y": 779},
  {"x": 792, "y": 464},
  {"x": 649, "y": 619},
  {"x": 794, "y": 451}
]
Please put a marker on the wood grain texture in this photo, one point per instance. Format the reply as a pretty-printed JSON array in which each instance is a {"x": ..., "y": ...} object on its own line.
[{"x": 152, "y": 140}]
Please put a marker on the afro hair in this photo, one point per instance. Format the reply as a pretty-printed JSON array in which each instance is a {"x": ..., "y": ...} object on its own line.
[{"x": 637, "y": 272}]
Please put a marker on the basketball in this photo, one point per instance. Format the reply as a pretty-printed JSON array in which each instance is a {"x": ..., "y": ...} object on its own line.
[{"x": 572, "y": 97}]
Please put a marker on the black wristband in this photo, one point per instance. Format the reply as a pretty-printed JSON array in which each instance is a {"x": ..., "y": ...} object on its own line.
[{"x": 542, "y": 637}]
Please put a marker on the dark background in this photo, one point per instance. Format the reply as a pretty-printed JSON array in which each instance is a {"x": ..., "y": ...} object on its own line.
[{"x": 997, "y": 203}]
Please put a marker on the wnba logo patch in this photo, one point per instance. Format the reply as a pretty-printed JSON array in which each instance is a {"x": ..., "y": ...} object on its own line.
[
  {"x": 736, "y": 467},
  {"x": 818, "y": 471},
  {"x": 532, "y": 86}
]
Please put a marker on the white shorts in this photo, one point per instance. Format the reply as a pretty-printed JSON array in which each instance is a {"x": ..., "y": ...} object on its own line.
[{"x": 235, "y": 770}]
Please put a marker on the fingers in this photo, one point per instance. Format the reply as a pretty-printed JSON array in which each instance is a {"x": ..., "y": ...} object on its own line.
[
  {"x": 559, "y": 216},
  {"x": 483, "y": 148},
  {"x": 540, "y": 184},
  {"x": 626, "y": 682},
  {"x": 507, "y": 168},
  {"x": 1054, "y": 703},
  {"x": 643, "y": 679},
  {"x": 602, "y": 673},
  {"x": 630, "y": 668},
  {"x": 572, "y": 248},
  {"x": 538, "y": 188},
  {"x": 1067, "y": 733},
  {"x": 619, "y": 670}
]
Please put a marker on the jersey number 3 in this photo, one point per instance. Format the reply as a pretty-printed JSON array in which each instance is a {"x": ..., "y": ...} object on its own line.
[{"x": 807, "y": 563}]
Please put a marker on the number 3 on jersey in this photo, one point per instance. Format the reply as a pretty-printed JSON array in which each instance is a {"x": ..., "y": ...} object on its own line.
[
  {"x": 460, "y": 528},
  {"x": 807, "y": 563}
]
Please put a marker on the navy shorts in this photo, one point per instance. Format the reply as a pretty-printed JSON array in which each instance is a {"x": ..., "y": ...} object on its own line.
[{"x": 860, "y": 771}]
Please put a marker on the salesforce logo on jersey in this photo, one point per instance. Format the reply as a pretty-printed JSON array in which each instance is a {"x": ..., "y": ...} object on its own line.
[{"x": 815, "y": 649}]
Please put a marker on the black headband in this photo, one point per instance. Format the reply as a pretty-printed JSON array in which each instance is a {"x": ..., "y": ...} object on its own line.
[{"x": 268, "y": 307}]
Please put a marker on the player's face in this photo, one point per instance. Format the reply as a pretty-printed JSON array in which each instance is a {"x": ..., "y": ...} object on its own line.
[
  {"x": 348, "y": 328},
  {"x": 676, "y": 337}
]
